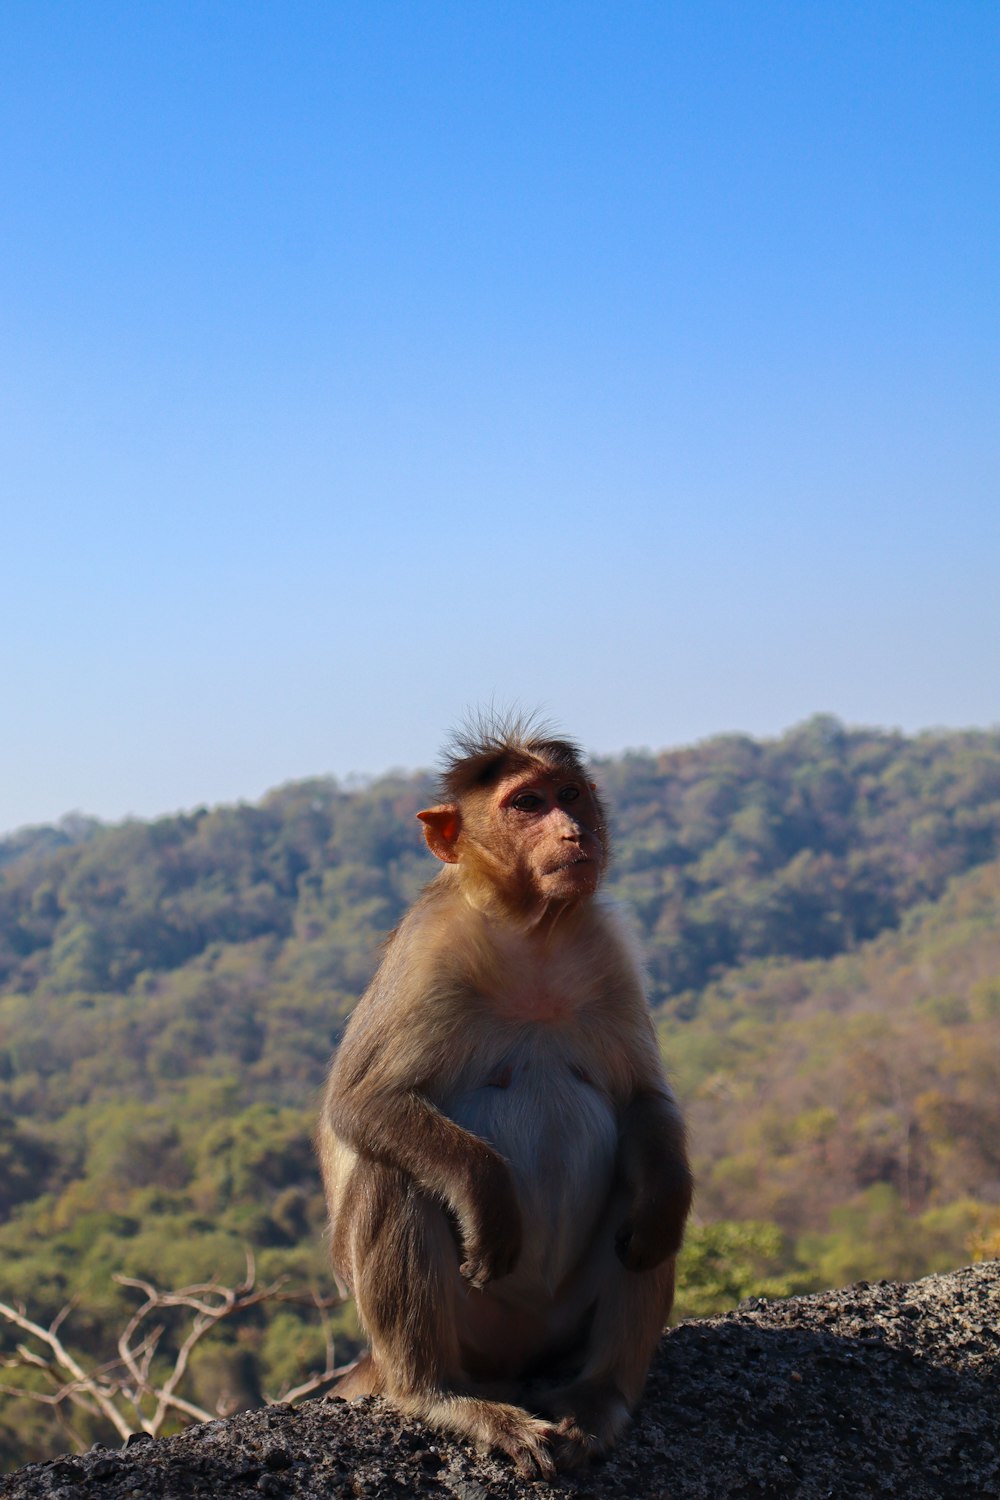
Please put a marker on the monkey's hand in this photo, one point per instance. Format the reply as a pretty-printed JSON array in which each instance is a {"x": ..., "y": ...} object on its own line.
[
  {"x": 489, "y": 1222},
  {"x": 654, "y": 1227},
  {"x": 655, "y": 1166}
]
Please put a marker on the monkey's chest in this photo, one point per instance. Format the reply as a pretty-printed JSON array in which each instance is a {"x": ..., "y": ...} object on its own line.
[{"x": 559, "y": 1134}]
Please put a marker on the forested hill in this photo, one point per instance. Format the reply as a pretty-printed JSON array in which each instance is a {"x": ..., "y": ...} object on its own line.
[
  {"x": 821, "y": 916},
  {"x": 732, "y": 850}
]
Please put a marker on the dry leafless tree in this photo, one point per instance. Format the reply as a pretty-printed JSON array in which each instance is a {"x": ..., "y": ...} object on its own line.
[{"x": 125, "y": 1391}]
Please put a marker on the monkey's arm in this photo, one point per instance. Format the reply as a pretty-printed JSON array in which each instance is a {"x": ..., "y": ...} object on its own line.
[
  {"x": 652, "y": 1143},
  {"x": 379, "y": 1109},
  {"x": 654, "y": 1163}
]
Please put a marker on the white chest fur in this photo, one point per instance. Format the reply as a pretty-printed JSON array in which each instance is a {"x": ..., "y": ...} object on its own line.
[{"x": 559, "y": 1134}]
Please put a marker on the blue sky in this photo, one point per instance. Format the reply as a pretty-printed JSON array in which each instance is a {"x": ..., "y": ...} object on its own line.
[{"x": 360, "y": 362}]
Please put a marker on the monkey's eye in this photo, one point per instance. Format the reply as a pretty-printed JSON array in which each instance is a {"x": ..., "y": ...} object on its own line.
[
  {"x": 569, "y": 794},
  {"x": 527, "y": 802}
]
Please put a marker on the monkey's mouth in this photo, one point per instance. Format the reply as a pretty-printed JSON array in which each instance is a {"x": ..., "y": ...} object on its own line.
[{"x": 570, "y": 864}]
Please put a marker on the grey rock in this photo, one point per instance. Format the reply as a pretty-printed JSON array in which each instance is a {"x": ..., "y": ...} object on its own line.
[{"x": 882, "y": 1390}]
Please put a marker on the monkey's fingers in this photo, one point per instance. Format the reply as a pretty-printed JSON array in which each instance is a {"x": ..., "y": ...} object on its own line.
[
  {"x": 479, "y": 1271},
  {"x": 593, "y": 1414},
  {"x": 482, "y": 1265},
  {"x": 475, "y": 1273},
  {"x": 528, "y": 1445},
  {"x": 645, "y": 1241},
  {"x": 636, "y": 1250},
  {"x": 636, "y": 1253},
  {"x": 574, "y": 1446},
  {"x": 623, "y": 1242}
]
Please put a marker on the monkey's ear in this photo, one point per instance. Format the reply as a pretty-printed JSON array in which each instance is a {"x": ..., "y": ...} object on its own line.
[{"x": 441, "y": 829}]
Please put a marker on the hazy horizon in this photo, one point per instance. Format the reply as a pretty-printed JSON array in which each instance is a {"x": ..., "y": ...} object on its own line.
[{"x": 359, "y": 777}]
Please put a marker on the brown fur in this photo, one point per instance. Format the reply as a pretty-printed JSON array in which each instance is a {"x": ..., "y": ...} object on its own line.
[{"x": 504, "y": 1162}]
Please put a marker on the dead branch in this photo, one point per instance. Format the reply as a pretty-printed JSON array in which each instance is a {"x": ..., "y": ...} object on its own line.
[
  {"x": 125, "y": 1390},
  {"x": 82, "y": 1383},
  {"x": 319, "y": 1378}
]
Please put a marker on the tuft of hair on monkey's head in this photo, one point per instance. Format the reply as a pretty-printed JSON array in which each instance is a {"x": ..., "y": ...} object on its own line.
[{"x": 491, "y": 742}]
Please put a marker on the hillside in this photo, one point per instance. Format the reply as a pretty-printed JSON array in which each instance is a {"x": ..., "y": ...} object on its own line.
[{"x": 821, "y": 915}]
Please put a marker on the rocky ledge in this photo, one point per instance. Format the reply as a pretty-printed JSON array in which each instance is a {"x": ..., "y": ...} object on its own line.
[{"x": 890, "y": 1389}]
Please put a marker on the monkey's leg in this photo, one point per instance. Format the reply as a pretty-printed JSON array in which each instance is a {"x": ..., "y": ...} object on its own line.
[
  {"x": 630, "y": 1313},
  {"x": 404, "y": 1271}
]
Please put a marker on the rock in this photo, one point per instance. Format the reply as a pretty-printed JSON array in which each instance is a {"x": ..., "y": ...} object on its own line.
[{"x": 882, "y": 1390}]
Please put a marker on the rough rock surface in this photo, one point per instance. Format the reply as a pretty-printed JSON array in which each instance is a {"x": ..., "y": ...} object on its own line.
[{"x": 891, "y": 1389}]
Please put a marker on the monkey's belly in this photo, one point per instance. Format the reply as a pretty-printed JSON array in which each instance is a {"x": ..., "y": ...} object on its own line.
[{"x": 560, "y": 1137}]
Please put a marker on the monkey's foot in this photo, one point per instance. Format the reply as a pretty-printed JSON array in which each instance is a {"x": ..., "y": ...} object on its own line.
[
  {"x": 592, "y": 1415},
  {"x": 527, "y": 1440}
]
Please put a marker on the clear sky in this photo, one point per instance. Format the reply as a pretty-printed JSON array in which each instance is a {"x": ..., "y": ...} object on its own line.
[{"x": 362, "y": 361}]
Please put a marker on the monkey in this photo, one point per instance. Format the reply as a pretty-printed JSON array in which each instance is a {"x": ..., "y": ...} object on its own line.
[{"x": 504, "y": 1161}]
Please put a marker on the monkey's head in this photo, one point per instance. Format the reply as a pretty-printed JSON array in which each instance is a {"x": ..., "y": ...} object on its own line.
[{"x": 520, "y": 819}]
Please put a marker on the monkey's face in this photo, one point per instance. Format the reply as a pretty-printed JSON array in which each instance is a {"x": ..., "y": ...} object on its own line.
[
  {"x": 534, "y": 838},
  {"x": 548, "y": 830}
]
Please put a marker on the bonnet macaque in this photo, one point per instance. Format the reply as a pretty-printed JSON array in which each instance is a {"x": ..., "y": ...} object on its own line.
[{"x": 504, "y": 1161}]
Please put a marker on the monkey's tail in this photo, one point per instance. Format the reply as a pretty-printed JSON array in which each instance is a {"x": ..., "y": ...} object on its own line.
[{"x": 364, "y": 1378}]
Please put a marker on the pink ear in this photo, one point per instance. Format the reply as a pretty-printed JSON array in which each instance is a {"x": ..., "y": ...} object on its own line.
[{"x": 441, "y": 829}]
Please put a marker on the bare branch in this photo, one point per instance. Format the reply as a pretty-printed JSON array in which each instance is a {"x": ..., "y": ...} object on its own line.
[
  {"x": 83, "y": 1382},
  {"x": 210, "y": 1302},
  {"x": 251, "y": 1271},
  {"x": 129, "y": 1378},
  {"x": 62, "y": 1315},
  {"x": 42, "y": 1397},
  {"x": 29, "y": 1357},
  {"x": 330, "y": 1372},
  {"x": 313, "y": 1383}
]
